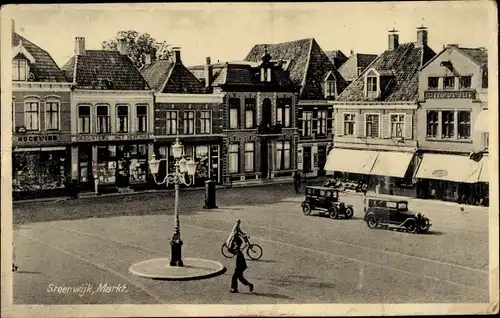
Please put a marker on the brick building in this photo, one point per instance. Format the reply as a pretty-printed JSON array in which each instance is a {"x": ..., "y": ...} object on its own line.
[{"x": 40, "y": 122}]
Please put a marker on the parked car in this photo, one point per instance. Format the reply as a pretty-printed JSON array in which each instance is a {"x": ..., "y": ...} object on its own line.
[
  {"x": 394, "y": 214},
  {"x": 326, "y": 201}
]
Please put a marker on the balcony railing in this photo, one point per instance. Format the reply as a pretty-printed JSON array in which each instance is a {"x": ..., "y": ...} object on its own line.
[
  {"x": 267, "y": 129},
  {"x": 450, "y": 94}
]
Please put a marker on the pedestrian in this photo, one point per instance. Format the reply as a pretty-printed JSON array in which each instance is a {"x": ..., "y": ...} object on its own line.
[
  {"x": 296, "y": 181},
  {"x": 241, "y": 266}
]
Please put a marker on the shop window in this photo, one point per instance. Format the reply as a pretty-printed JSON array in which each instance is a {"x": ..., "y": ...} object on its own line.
[
  {"x": 31, "y": 116},
  {"x": 249, "y": 156},
  {"x": 38, "y": 170},
  {"x": 201, "y": 157},
  {"x": 103, "y": 120},
  {"x": 188, "y": 121},
  {"x": 122, "y": 118},
  {"x": 19, "y": 70},
  {"x": 142, "y": 118},
  {"x": 138, "y": 165},
  {"x": 205, "y": 121},
  {"x": 250, "y": 113},
  {"x": 282, "y": 155},
  {"x": 52, "y": 116},
  {"x": 397, "y": 125},
  {"x": 372, "y": 125},
  {"x": 432, "y": 124},
  {"x": 321, "y": 128},
  {"x": 432, "y": 82},
  {"x": 84, "y": 119},
  {"x": 234, "y": 107},
  {"x": 448, "y": 124},
  {"x": 233, "y": 150},
  {"x": 449, "y": 82},
  {"x": 307, "y": 124},
  {"x": 465, "y": 81},
  {"x": 171, "y": 123},
  {"x": 106, "y": 164},
  {"x": 464, "y": 124},
  {"x": 349, "y": 121}
]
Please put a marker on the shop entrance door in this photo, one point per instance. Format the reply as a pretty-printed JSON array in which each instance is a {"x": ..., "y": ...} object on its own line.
[
  {"x": 307, "y": 160},
  {"x": 123, "y": 173}
]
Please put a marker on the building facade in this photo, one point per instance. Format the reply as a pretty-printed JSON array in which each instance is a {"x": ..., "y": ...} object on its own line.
[
  {"x": 453, "y": 126},
  {"x": 111, "y": 120},
  {"x": 41, "y": 164},
  {"x": 375, "y": 119}
]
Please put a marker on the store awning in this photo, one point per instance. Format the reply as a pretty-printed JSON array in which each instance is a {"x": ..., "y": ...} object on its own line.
[
  {"x": 449, "y": 167},
  {"x": 484, "y": 175},
  {"x": 392, "y": 163},
  {"x": 482, "y": 122},
  {"x": 350, "y": 160}
]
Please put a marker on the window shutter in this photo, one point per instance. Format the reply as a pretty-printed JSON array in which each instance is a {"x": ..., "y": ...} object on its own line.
[
  {"x": 386, "y": 126},
  {"x": 338, "y": 124},
  {"x": 360, "y": 125},
  {"x": 408, "y": 127}
]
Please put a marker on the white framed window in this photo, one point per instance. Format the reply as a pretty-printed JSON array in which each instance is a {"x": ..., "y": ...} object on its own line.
[
  {"x": 397, "y": 125},
  {"x": 171, "y": 128},
  {"x": 464, "y": 125},
  {"x": 249, "y": 118},
  {"x": 269, "y": 74},
  {"x": 19, "y": 70},
  {"x": 205, "y": 121},
  {"x": 448, "y": 124},
  {"x": 288, "y": 111},
  {"x": 233, "y": 156},
  {"x": 279, "y": 115},
  {"x": 432, "y": 123},
  {"x": 142, "y": 118},
  {"x": 432, "y": 82},
  {"x": 349, "y": 123},
  {"x": 84, "y": 119},
  {"x": 321, "y": 127},
  {"x": 282, "y": 155},
  {"x": 122, "y": 118},
  {"x": 372, "y": 125},
  {"x": 307, "y": 124},
  {"x": 32, "y": 115},
  {"x": 188, "y": 121},
  {"x": 103, "y": 119},
  {"x": 234, "y": 113},
  {"x": 249, "y": 156},
  {"x": 449, "y": 82},
  {"x": 250, "y": 113},
  {"x": 465, "y": 82},
  {"x": 52, "y": 115},
  {"x": 329, "y": 89},
  {"x": 371, "y": 86}
]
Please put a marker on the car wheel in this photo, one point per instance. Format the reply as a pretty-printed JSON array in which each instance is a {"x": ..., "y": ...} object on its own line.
[
  {"x": 424, "y": 228},
  {"x": 411, "y": 226},
  {"x": 333, "y": 212},
  {"x": 349, "y": 212},
  {"x": 306, "y": 208},
  {"x": 372, "y": 221}
]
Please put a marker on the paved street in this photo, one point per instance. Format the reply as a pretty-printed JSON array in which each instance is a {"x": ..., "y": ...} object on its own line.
[{"x": 307, "y": 259}]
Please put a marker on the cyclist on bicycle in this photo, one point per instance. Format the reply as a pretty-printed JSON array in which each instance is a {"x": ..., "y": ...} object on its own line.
[{"x": 235, "y": 237}]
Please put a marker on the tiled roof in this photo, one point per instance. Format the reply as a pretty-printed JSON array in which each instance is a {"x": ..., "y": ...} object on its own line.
[
  {"x": 479, "y": 55},
  {"x": 337, "y": 57},
  {"x": 308, "y": 65},
  {"x": 44, "y": 68},
  {"x": 100, "y": 69},
  {"x": 166, "y": 76},
  {"x": 349, "y": 70},
  {"x": 405, "y": 62}
]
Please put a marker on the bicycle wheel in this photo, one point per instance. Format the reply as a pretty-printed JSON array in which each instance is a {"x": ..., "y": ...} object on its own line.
[
  {"x": 225, "y": 251},
  {"x": 254, "y": 251}
]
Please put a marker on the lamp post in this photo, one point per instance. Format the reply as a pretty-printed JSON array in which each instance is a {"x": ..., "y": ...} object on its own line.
[{"x": 182, "y": 166}]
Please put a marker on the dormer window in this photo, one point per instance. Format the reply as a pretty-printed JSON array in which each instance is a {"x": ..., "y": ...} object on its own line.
[
  {"x": 19, "y": 70},
  {"x": 330, "y": 89},
  {"x": 265, "y": 74},
  {"x": 371, "y": 87}
]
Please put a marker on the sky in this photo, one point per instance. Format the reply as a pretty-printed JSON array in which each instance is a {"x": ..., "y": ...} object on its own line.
[{"x": 227, "y": 32}]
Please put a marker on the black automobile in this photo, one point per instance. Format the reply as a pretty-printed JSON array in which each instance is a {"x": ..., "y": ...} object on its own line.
[
  {"x": 326, "y": 201},
  {"x": 394, "y": 214}
]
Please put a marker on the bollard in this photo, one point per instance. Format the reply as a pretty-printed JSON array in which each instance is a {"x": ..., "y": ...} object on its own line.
[{"x": 210, "y": 195}]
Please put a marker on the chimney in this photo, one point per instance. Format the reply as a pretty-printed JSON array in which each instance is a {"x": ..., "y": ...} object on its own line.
[
  {"x": 147, "y": 58},
  {"x": 79, "y": 46},
  {"x": 393, "y": 39},
  {"x": 352, "y": 52},
  {"x": 177, "y": 55},
  {"x": 122, "y": 47},
  {"x": 421, "y": 36},
  {"x": 208, "y": 73}
]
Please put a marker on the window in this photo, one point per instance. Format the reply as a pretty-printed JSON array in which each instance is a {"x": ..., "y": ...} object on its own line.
[
  {"x": 448, "y": 124},
  {"x": 31, "y": 116},
  {"x": 464, "y": 125},
  {"x": 205, "y": 121},
  {"x": 84, "y": 119},
  {"x": 349, "y": 121},
  {"x": 449, "y": 82},
  {"x": 329, "y": 89},
  {"x": 19, "y": 70},
  {"x": 142, "y": 118},
  {"x": 433, "y": 82},
  {"x": 249, "y": 156},
  {"x": 372, "y": 126},
  {"x": 171, "y": 123},
  {"x": 465, "y": 81},
  {"x": 188, "y": 121},
  {"x": 371, "y": 87},
  {"x": 282, "y": 155},
  {"x": 307, "y": 124},
  {"x": 322, "y": 122},
  {"x": 234, "y": 107},
  {"x": 279, "y": 115},
  {"x": 249, "y": 113},
  {"x": 122, "y": 118},
  {"x": 485, "y": 139},
  {"x": 432, "y": 124},
  {"x": 287, "y": 116},
  {"x": 283, "y": 112},
  {"x": 233, "y": 158},
  {"x": 103, "y": 125},
  {"x": 52, "y": 116},
  {"x": 269, "y": 74},
  {"x": 397, "y": 125}
]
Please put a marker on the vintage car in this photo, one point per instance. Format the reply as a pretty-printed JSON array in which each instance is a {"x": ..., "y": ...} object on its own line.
[
  {"x": 394, "y": 214},
  {"x": 326, "y": 201}
]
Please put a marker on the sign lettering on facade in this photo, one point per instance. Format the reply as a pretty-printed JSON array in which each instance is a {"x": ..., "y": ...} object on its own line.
[
  {"x": 37, "y": 138},
  {"x": 440, "y": 173},
  {"x": 98, "y": 137},
  {"x": 450, "y": 95}
]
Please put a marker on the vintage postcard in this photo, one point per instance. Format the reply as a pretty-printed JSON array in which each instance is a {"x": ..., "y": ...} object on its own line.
[{"x": 237, "y": 159}]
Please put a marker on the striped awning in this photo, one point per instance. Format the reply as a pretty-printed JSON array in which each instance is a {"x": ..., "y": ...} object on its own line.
[
  {"x": 351, "y": 160},
  {"x": 392, "y": 163},
  {"x": 449, "y": 167}
]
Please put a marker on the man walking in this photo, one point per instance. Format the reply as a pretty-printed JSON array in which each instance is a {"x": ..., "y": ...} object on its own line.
[
  {"x": 296, "y": 181},
  {"x": 241, "y": 266}
]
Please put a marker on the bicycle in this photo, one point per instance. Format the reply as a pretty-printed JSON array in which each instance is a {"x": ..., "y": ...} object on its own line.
[{"x": 254, "y": 251}]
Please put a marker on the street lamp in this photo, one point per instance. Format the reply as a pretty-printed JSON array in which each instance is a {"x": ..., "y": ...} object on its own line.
[{"x": 182, "y": 166}]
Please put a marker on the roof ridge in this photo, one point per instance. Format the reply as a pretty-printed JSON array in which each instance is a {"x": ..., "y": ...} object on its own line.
[
  {"x": 307, "y": 66},
  {"x": 75, "y": 69}
]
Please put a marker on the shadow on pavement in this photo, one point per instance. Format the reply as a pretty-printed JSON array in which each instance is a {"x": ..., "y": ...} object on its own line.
[
  {"x": 265, "y": 261},
  {"x": 27, "y": 272},
  {"x": 435, "y": 233},
  {"x": 269, "y": 295}
]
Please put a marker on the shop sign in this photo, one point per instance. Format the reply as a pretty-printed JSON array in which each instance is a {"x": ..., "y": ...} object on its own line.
[
  {"x": 450, "y": 95},
  {"x": 39, "y": 139},
  {"x": 440, "y": 173},
  {"x": 99, "y": 137}
]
